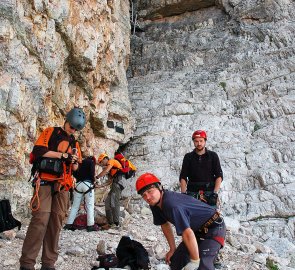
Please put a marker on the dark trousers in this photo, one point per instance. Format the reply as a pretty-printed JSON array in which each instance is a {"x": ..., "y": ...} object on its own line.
[
  {"x": 112, "y": 204},
  {"x": 208, "y": 249}
]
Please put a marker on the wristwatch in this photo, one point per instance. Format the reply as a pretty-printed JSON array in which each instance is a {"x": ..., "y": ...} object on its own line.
[{"x": 64, "y": 155}]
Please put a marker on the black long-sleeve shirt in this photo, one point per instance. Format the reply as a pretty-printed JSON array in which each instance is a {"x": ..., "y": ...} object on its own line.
[
  {"x": 86, "y": 170},
  {"x": 201, "y": 168}
]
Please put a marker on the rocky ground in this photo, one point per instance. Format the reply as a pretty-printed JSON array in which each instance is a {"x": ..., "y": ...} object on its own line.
[{"x": 78, "y": 249}]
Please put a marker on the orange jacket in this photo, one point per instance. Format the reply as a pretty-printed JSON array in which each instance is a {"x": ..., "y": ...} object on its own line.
[
  {"x": 116, "y": 165},
  {"x": 54, "y": 139}
]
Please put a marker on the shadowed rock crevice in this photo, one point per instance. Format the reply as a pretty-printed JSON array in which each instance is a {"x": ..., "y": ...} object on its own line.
[
  {"x": 178, "y": 8},
  {"x": 97, "y": 125},
  {"x": 78, "y": 68}
]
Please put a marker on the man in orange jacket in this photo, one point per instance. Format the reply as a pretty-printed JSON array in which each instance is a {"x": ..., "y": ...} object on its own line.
[
  {"x": 57, "y": 154},
  {"x": 112, "y": 168}
]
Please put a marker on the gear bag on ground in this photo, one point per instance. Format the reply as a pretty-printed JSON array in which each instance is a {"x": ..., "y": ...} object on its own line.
[
  {"x": 132, "y": 253},
  {"x": 7, "y": 221}
]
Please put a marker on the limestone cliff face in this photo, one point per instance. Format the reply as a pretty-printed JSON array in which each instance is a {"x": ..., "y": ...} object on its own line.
[
  {"x": 228, "y": 69},
  {"x": 225, "y": 66},
  {"x": 54, "y": 55}
]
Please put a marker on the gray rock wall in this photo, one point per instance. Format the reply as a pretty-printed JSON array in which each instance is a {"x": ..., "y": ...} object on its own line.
[{"x": 228, "y": 69}]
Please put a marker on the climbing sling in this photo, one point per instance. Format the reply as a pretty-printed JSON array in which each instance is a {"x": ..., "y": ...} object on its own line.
[{"x": 211, "y": 222}]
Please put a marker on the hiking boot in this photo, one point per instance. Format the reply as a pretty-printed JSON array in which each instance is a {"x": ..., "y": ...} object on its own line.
[
  {"x": 217, "y": 263},
  {"x": 106, "y": 226},
  {"x": 116, "y": 225},
  {"x": 69, "y": 227},
  {"x": 93, "y": 228},
  {"x": 47, "y": 268}
]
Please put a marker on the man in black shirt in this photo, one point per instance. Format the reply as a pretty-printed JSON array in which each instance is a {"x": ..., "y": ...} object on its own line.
[
  {"x": 201, "y": 174},
  {"x": 200, "y": 225}
]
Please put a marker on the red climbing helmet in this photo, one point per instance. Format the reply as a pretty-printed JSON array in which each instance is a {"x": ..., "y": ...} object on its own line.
[
  {"x": 145, "y": 181},
  {"x": 199, "y": 134}
]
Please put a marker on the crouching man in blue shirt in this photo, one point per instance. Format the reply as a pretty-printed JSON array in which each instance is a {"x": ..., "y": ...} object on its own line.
[{"x": 200, "y": 225}]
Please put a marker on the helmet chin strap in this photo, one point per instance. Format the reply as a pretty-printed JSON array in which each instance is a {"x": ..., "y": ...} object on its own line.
[
  {"x": 64, "y": 126},
  {"x": 161, "y": 191}
]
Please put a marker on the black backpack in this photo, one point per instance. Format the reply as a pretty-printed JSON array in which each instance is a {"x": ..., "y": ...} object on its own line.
[
  {"x": 132, "y": 253},
  {"x": 7, "y": 221},
  {"x": 107, "y": 261}
]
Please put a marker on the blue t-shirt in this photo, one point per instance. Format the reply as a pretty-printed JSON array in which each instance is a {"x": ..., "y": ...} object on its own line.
[{"x": 183, "y": 211}]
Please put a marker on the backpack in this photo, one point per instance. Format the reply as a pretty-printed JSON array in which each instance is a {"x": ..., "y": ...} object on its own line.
[
  {"x": 132, "y": 253},
  {"x": 107, "y": 261},
  {"x": 80, "y": 222},
  {"x": 128, "y": 168},
  {"x": 7, "y": 221}
]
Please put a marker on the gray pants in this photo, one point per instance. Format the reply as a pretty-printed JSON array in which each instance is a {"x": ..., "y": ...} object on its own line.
[
  {"x": 208, "y": 249},
  {"x": 112, "y": 203},
  {"x": 89, "y": 202}
]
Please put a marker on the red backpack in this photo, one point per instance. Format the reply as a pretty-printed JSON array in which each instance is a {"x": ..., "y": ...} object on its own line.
[
  {"x": 80, "y": 222},
  {"x": 128, "y": 168}
]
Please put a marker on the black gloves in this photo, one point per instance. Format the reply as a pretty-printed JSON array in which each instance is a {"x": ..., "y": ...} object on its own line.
[{"x": 212, "y": 200}]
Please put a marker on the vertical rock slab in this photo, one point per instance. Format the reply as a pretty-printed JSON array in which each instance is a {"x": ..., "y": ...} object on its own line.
[{"x": 54, "y": 55}]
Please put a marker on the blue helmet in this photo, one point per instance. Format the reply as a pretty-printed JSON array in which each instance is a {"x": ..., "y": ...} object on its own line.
[{"x": 76, "y": 118}]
